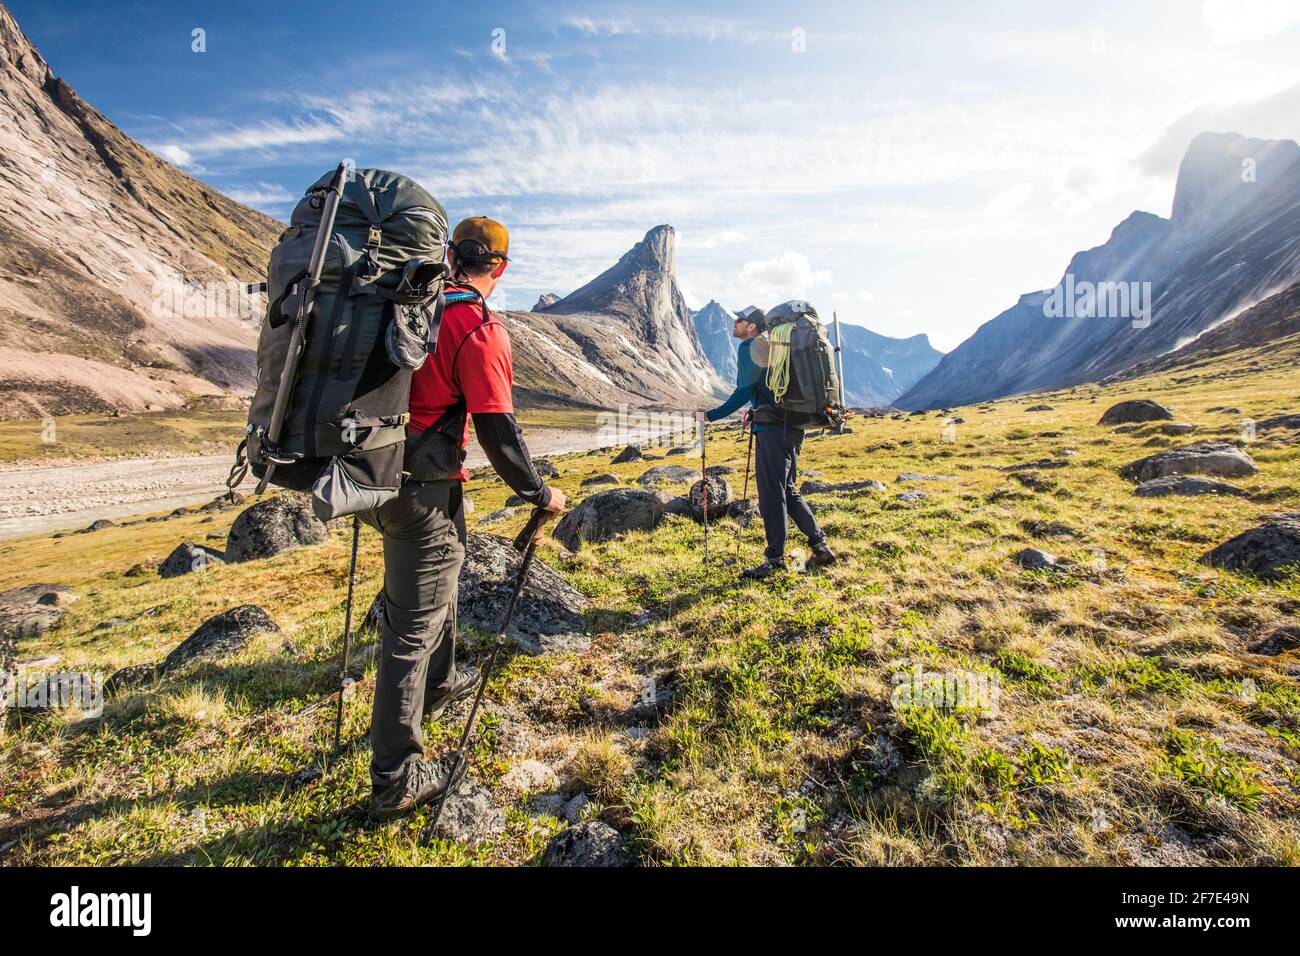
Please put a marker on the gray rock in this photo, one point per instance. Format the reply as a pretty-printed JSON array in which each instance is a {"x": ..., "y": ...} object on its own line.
[
  {"x": 187, "y": 558},
  {"x": 1186, "y": 486},
  {"x": 719, "y": 497},
  {"x": 667, "y": 473},
  {"x": 593, "y": 843},
  {"x": 1040, "y": 408},
  {"x": 824, "y": 487},
  {"x": 679, "y": 450},
  {"x": 1205, "y": 458},
  {"x": 1178, "y": 428},
  {"x": 470, "y": 817},
  {"x": 679, "y": 505},
  {"x": 1135, "y": 412},
  {"x": 607, "y": 514},
  {"x": 501, "y": 514},
  {"x": 129, "y": 678},
  {"x": 273, "y": 526},
  {"x": 32, "y": 610},
  {"x": 1262, "y": 551},
  {"x": 1125, "y": 429},
  {"x": 1035, "y": 559},
  {"x": 599, "y": 480},
  {"x": 911, "y": 497},
  {"x": 514, "y": 501},
  {"x": 1048, "y": 463},
  {"x": 221, "y": 636},
  {"x": 549, "y": 617},
  {"x": 630, "y": 453},
  {"x": 545, "y": 468},
  {"x": 1281, "y": 421},
  {"x": 916, "y": 476},
  {"x": 719, "y": 470},
  {"x": 743, "y": 510}
]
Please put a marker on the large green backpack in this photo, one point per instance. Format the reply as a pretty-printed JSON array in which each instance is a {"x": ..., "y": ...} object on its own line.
[
  {"x": 374, "y": 318},
  {"x": 801, "y": 367}
]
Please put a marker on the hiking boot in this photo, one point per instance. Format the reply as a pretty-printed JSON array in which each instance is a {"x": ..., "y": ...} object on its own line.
[
  {"x": 425, "y": 781},
  {"x": 465, "y": 684},
  {"x": 764, "y": 570},
  {"x": 821, "y": 557}
]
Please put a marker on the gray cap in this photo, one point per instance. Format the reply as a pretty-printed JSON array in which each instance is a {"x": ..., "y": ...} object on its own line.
[{"x": 752, "y": 313}]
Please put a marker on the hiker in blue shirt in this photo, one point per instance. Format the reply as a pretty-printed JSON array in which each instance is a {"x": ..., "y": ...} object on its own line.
[{"x": 778, "y": 444}]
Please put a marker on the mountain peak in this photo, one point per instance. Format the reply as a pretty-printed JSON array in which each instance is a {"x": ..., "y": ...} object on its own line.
[
  {"x": 1221, "y": 173},
  {"x": 657, "y": 252}
]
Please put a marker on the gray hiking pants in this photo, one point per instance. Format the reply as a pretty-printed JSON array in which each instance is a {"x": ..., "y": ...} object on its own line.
[
  {"x": 776, "y": 466},
  {"x": 424, "y": 548}
]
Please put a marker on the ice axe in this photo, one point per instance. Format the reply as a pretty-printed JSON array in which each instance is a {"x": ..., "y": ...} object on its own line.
[{"x": 527, "y": 543}]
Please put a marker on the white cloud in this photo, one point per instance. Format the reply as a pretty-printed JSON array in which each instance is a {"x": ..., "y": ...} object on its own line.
[
  {"x": 175, "y": 154},
  {"x": 784, "y": 276},
  {"x": 262, "y": 194},
  {"x": 1248, "y": 21}
]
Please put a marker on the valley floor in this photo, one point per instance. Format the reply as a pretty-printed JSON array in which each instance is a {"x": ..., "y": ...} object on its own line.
[
  {"x": 65, "y": 491},
  {"x": 1147, "y": 707}
]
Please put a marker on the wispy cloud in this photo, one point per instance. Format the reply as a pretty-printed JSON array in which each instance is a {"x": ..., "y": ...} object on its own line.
[{"x": 261, "y": 195}]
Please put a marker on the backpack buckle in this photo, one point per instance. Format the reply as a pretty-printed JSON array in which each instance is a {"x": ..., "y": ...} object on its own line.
[{"x": 376, "y": 237}]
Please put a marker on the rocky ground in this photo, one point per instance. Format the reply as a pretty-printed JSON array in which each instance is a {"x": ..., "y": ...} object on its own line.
[{"x": 1049, "y": 640}]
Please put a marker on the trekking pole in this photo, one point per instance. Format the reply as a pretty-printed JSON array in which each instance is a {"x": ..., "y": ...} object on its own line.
[
  {"x": 347, "y": 637},
  {"x": 704, "y": 488},
  {"x": 270, "y": 438},
  {"x": 744, "y": 496},
  {"x": 839, "y": 363},
  {"x": 527, "y": 543}
]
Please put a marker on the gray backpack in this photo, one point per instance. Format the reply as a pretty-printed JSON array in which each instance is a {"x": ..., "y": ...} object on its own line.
[
  {"x": 373, "y": 320},
  {"x": 811, "y": 397}
]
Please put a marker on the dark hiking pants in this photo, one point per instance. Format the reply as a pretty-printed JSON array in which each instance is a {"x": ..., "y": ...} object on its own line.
[
  {"x": 776, "y": 462},
  {"x": 424, "y": 547}
]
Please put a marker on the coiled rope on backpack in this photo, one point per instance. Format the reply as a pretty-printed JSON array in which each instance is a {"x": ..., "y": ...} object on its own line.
[{"x": 778, "y": 369}]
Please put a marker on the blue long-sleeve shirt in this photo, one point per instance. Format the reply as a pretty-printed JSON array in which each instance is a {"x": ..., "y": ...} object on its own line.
[{"x": 751, "y": 386}]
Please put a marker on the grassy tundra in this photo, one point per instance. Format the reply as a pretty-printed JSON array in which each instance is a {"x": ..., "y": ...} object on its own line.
[{"x": 1133, "y": 724}]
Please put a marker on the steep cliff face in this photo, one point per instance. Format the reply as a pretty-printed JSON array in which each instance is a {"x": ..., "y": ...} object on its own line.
[
  {"x": 714, "y": 326},
  {"x": 1233, "y": 240},
  {"x": 640, "y": 294},
  {"x": 96, "y": 228}
]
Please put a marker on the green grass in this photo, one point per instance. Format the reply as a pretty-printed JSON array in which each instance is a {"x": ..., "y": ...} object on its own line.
[{"x": 1133, "y": 726}]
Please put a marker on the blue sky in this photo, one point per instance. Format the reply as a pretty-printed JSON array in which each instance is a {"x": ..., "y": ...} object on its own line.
[{"x": 915, "y": 166}]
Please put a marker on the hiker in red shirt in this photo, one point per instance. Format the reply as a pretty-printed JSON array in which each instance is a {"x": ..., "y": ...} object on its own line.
[{"x": 468, "y": 376}]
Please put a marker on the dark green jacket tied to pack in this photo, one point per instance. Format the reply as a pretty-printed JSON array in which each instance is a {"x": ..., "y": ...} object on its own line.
[
  {"x": 800, "y": 370},
  {"x": 373, "y": 320}
]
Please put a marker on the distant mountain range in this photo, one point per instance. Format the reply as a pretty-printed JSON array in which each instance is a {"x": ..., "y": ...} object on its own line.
[{"x": 1231, "y": 242}]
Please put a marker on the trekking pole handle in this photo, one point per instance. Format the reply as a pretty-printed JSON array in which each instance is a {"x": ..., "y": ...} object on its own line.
[{"x": 535, "y": 522}]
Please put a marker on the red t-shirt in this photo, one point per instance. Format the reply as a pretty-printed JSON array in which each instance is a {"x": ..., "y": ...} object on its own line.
[{"x": 472, "y": 360}]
